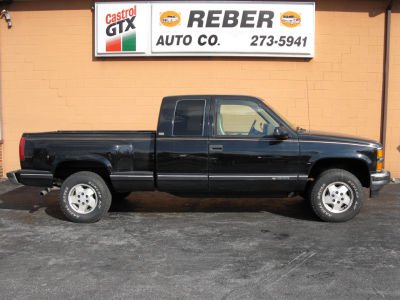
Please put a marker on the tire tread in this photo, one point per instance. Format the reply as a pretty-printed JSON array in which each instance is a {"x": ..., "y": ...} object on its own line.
[
  {"x": 342, "y": 175},
  {"x": 99, "y": 181}
]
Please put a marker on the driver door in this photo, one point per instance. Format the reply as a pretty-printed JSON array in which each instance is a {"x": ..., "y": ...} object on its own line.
[{"x": 244, "y": 156}]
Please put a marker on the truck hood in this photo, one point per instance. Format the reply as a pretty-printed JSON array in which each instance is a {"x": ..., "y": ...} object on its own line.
[{"x": 336, "y": 137}]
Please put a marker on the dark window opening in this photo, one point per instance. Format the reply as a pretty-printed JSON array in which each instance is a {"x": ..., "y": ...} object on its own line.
[{"x": 189, "y": 118}]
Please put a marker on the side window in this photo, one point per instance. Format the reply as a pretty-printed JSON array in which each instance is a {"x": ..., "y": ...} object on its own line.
[
  {"x": 243, "y": 118},
  {"x": 189, "y": 118}
]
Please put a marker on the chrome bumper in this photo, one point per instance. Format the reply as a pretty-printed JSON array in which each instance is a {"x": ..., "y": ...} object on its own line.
[
  {"x": 378, "y": 181},
  {"x": 31, "y": 177}
]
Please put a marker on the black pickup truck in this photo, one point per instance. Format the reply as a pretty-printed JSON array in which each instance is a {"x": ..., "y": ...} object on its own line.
[{"x": 219, "y": 145}]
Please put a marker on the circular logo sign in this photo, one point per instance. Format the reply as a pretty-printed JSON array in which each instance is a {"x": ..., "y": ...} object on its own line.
[
  {"x": 290, "y": 19},
  {"x": 170, "y": 18}
]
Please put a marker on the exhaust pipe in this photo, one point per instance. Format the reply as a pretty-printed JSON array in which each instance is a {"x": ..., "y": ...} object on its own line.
[{"x": 48, "y": 190}]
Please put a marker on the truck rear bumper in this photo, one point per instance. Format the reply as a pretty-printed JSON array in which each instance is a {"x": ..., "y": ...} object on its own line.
[
  {"x": 378, "y": 181},
  {"x": 31, "y": 177}
]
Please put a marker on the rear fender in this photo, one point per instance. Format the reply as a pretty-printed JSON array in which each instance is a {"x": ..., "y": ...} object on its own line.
[{"x": 82, "y": 158}]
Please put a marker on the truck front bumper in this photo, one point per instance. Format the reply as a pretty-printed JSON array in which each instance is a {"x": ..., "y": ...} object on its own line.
[
  {"x": 378, "y": 181},
  {"x": 31, "y": 177}
]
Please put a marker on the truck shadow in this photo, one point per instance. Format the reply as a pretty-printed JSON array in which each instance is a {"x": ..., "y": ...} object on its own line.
[
  {"x": 295, "y": 207},
  {"x": 28, "y": 199}
]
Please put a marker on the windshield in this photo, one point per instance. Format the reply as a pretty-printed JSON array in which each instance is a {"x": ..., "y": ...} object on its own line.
[{"x": 290, "y": 124}]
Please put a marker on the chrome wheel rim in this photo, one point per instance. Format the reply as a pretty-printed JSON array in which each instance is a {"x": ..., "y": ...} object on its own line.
[
  {"x": 82, "y": 198},
  {"x": 337, "y": 197}
]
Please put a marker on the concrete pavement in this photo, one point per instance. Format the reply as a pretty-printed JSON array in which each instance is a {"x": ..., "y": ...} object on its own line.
[{"x": 158, "y": 246}]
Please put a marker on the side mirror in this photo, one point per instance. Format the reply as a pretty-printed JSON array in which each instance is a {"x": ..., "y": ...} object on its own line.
[{"x": 281, "y": 133}]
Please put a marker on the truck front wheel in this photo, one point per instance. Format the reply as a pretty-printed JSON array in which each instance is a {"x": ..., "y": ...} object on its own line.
[
  {"x": 84, "y": 197},
  {"x": 336, "y": 195}
]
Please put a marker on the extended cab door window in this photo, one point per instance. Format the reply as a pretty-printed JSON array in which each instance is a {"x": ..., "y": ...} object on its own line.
[
  {"x": 182, "y": 153},
  {"x": 189, "y": 118},
  {"x": 243, "y": 118}
]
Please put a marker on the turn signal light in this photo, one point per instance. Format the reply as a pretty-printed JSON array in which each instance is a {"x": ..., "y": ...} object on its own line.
[
  {"x": 379, "y": 166},
  {"x": 380, "y": 153}
]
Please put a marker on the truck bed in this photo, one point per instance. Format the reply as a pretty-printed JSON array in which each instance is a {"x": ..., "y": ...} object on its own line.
[{"x": 126, "y": 154}]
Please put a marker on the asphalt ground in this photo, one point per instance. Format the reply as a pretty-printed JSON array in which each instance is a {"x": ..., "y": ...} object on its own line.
[{"x": 158, "y": 246}]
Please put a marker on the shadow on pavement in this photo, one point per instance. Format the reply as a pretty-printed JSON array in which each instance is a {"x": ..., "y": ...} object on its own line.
[{"x": 28, "y": 199}]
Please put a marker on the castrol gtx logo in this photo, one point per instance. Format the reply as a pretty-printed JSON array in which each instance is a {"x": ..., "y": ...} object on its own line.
[{"x": 121, "y": 30}]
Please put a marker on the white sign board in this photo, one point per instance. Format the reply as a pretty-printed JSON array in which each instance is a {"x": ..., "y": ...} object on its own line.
[{"x": 284, "y": 29}]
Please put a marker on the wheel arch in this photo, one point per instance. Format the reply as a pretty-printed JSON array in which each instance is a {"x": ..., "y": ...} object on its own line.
[
  {"x": 358, "y": 167},
  {"x": 63, "y": 169}
]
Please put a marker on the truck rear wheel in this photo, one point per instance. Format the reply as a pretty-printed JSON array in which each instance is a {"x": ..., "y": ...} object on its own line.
[
  {"x": 84, "y": 197},
  {"x": 336, "y": 195}
]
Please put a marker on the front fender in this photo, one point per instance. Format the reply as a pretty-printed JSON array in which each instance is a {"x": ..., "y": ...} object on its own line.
[{"x": 356, "y": 156}]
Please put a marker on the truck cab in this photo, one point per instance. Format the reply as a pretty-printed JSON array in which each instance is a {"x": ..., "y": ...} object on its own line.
[{"x": 225, "y": 144}]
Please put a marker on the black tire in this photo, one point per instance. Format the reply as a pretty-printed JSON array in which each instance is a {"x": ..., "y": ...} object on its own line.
[
  {"x": 342, "y": 181},
  {"x": 88, "y": 183}
]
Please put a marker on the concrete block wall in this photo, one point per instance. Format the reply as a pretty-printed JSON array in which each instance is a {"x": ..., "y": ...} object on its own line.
[{"x": 51, "y": 81}]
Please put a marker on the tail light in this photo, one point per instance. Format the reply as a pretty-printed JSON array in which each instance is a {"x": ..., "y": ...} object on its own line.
[{"x": 22, "y": 149}]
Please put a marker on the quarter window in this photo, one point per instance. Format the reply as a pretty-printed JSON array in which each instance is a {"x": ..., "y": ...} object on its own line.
[{"x": 189, "y": 118}]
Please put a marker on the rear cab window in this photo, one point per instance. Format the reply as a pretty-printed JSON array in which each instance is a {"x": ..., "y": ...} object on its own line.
[{"x": 189, "y": 118}]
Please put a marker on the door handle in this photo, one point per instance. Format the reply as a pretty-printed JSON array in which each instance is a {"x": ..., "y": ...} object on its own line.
[{"x": 216, "y": 147}]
